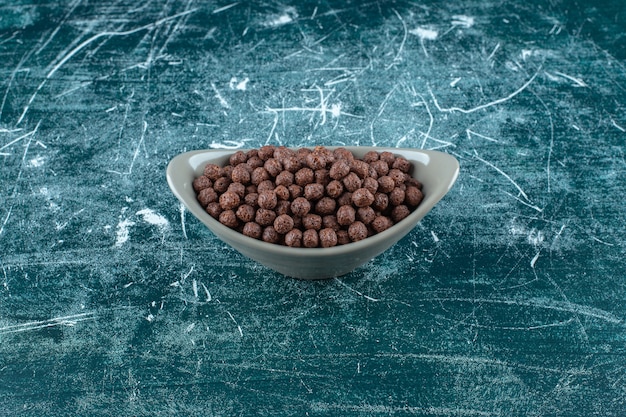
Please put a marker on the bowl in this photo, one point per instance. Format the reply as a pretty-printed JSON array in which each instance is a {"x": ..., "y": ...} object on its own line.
[{"x": 437, "y": 171}]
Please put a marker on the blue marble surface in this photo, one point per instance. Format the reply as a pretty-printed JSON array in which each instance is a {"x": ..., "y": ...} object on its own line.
[{"x": 508, "y": 299}]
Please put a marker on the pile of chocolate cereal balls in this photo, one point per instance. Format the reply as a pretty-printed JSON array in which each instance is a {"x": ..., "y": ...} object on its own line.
[{"x": 309, "y": 197}]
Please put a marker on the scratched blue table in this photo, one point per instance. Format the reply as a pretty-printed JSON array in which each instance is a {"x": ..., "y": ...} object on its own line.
[{"x": 508, "y": 299}]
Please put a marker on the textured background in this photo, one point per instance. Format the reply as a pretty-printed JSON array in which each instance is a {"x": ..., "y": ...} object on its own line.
[{"x": 508, "y": 299}]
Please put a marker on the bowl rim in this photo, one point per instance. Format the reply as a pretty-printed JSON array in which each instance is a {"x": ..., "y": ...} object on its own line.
[{"x": 429, "y": 201}]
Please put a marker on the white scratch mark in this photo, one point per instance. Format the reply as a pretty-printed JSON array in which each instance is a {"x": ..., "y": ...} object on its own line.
[
  {"x": 235, "y": 321},
  {"x": 24, "y": 136},
  {"x": 398, "y": 56},
  {"x": 194, "y": 287},
  {"x": 206, "y": 291},
  {"x": 577, "y": 81},
  {"x": 505, "y": 175},
  {"x": 136, "y": 153},
  {"x": 123, "y": 232},
  {"x": 602, "y": 241},
  {"x": 454, "y": 82},
  {"x": 219, "y": 97},
  {"x": 462, "y": 20},
  {"x": 471, "y": 133},
  {"x": 617, "y": 126},
  {"x": 482, "y": 106},
  {"x": 367, "y": 297},
  {"x": 435, "y": 238},
  {"x": 182, "y": 219},
  {"x": 534, "y": 260},
  {"x": 495, "y": 49},
  {"x": 70, "y": 320},
  {"x": 224, "y": 8}
]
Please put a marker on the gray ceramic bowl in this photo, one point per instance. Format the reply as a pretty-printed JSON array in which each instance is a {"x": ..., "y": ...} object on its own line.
[{"x": 436, "y": 170}]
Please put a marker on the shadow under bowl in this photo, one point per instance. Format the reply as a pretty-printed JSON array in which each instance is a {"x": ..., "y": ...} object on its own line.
[{"x": 437, "y": 171}]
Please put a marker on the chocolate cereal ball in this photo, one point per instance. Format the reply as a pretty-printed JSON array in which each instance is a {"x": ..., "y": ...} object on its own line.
[
  {"x": 346, "y": 215},
  {"x": 285, "y": 178},
  {"x": 228, "y": 218},
  {"x": 283, "y": 207},
  {"x": 370, "y": 157},
  {"x": 343, "y": 153},
  {"x": 267, "y": 199},
  {"x": 283, "y": 224},
  {"x": 229, "y": 200},
  {"x": 313, "y": 191},
  {"x": 241, "y": 174},
  {"x": 295, "y": 191},
  {"x": 252, "y": 229},
  {"x": 267, "y": 185},
  {"x": 251, "y": 199},
  {"x": 291, "y": 164},
  {"x": 266, "y": 152},
  {"x": 371, "y": 184},
  {"x": 237, "y": 188},
  {"x": 325, "y": 205},
  {"x": 362, "y": 197},
  {"x": 237, "y": 158},
  {"x": 342, "y": 237},
  {"x": 310, "y": 238},
  {"x": 361, "y": 168},
  {"x": 366, "y": 215},
  {"x": 282, "y": 192},
  {"x": 201, "y": 183},
  {"x": 357, "y": 231},
  {"x": 330, "y": 222},
  {"x": 399, "y": 213},
  {"x": 388, "y": 157},
  {"x": 344, "y": 199},
  {"x": 312, "y": 221},
  {"x": 339, "y": 169},
  {"x": 265, "y": 217},
  {"x": 381, "y": 223},
  {"x": 316, "y": 160},
  {"x": 293, "y": 238},
  {"x": 402, "y": 164},
  {"x": 254, "y": 162},
  {"x": 304, "y": 176},
  {"x": 259, "y": 175},
  {"x": 386, "y": 184},
  {"x": 300, "y": 206},
  {"x": 351, "y": 182},
  {"x": 245, "y": 213},
  {"x": 328, "y": 238},
  {"x": 334, "y": 189},
  {"x": 206, "y": 196},
  {"x": 381, "y": 202},
  {"x": 221, "y": 184},
  {"x": 273, "y": 167},
  {"x": 214, "y": 209},
  {"x": 213, "y": 172},
  {"x": 413, "y": 196},
  {"x": 397, "y": 176},
  {"x": 396, "y": 196},
  {"x": 270, "y": 235},
  {"x": 380, "y": 167}
]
